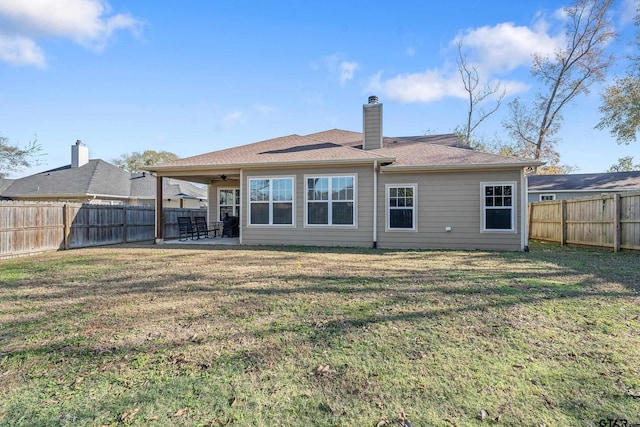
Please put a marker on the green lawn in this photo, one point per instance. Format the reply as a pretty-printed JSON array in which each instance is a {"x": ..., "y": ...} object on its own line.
[{"x": 161, "y": 335}]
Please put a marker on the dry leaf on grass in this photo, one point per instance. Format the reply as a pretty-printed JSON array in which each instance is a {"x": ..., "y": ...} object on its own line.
[
  {"x": 482, "y": 414},
  {"x": 181, "y": 412},
  {"x": 152, "y": 418},
  {"x": 127, "y": 416},
  {"x": 323, "y": 370},
  {"x": 634, "y": 394},
  {"x": 382, "y": 422},
  {"x": 403, "y": 421}
]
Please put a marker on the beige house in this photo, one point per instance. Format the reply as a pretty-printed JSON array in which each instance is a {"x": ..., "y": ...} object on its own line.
[{"x": 342, "y": 188}]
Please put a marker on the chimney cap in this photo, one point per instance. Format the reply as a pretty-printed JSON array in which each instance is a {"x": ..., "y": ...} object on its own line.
[{"x": 373, "y": 99}]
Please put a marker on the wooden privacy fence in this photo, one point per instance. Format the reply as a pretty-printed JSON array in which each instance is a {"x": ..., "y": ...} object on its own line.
[
  {"x": 611, "y": 221},
  {"x": 30, "y": 227}
]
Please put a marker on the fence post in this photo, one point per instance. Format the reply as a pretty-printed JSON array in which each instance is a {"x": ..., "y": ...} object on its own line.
[
  {"x": 67, "y": 225},
  {"x": 563, "y": 222},
  {"x": 616, "y": 222},
  {"x": 529, "y": 219},
  {"x": 124, "y": 224}
]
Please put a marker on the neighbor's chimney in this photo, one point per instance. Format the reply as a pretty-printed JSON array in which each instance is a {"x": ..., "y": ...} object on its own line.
[
  {"x": 79, "y": 154},
  {"x": 372, "y": 124}
]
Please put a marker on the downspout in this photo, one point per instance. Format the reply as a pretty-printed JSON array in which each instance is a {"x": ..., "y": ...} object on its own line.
[
  {"x": 159, "y": 211},
  {"x": 524, "y": 221},
  {"x": 241, "y": 208},
  {"x": 375, "y": 204}
]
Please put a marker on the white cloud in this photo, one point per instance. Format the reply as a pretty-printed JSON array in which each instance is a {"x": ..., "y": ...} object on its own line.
[
  {"x": 428, "y": 86},
  {"x": 86, "y": 22},
  {"x": 495, "y": 50},
  {"x": 231, "y": 119},
  {"x": 18, "y": 50},
  {"x": 346, "y": 71},
  {"x": 410, "y": 52},
  {"x": 265, "y": 109},
  {"x": 343, "y": 69},
  {"x": 506, "y": 46},
  {"x": 629, "y": 10}
]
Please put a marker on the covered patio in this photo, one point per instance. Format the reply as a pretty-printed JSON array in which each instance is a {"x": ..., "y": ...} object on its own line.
[{"x": 223, "y": 191}]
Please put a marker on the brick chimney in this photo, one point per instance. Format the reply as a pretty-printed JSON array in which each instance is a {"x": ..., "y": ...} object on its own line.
[
  {"x": 372, "y": 124},
  {"x": 79, "y": 154}
]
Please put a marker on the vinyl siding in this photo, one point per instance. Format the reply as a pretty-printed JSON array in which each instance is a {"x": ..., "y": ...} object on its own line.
[
  {"x": 299, "y": 234},
  {"x": 443, "y": 199},
  {"x": 448, "y": 200}
]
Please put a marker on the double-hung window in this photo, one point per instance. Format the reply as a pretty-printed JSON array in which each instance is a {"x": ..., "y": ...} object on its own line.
[
  {"x": 498, "y": 206},
  {"x": 271, "y": 201},
  {"x": 401, "y": 207},
  {"x": 330, "y": 200}
]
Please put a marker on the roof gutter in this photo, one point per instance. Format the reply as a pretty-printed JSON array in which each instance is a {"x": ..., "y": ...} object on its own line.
[
  {"x": 296, "y": 164},
  {"x": 462, "y": 167}
]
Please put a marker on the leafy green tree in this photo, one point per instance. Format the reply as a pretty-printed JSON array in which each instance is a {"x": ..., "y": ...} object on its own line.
[
  {"x": 621, "y": 100},
  {"x": 136, "y": 161},
  {"x": 625, "y": 164},
  {"x": 14, "y": 158},
  {"x": 563, "y": 76}
]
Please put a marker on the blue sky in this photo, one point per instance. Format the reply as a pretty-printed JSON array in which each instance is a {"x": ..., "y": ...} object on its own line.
[{"x": 197, "y": 76}]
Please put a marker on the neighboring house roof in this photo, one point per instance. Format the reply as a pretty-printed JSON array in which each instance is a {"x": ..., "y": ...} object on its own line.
[
  {"x": 143, "y": 186},
  {"x": 5, "y": 183},
  {"x": 97, "y": 177},
  {"x": 339, "y": 146},
  {"x": 608, "y": 181}
]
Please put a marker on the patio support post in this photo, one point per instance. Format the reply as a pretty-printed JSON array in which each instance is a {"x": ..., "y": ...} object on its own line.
[{"x": 159, "y": 210}]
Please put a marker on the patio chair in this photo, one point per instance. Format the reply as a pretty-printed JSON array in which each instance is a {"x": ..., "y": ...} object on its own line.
[
  {"x": 186, "y": 229},
  {"x": 202, "y": 227}
]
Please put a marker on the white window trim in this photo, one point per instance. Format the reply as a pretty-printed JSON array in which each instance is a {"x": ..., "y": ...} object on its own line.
[
  {"x": 388, "y": 228},
  {"x": 483, "y": 211},
  {"x": 355, "y": 199},
  {"x": 220, "y": 189},
  {"x": 553, "y": 197},
  {"x": 293, "y": 202}
]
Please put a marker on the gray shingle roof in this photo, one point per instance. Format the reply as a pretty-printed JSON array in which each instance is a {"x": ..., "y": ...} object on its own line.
[
  {"x": 97, "y": 177},
  {"x": 607, "y": 181},
  {"x": 143, "y": 186},
  {"x": 5, "y": 183}
]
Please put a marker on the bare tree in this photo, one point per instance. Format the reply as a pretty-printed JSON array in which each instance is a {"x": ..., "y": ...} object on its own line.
[
  {"x": 14, "y": 158},
  {"x": 621, "y": 99},
  {"x": 477, "y": 95},
  {"x": 563, "y": 76}
]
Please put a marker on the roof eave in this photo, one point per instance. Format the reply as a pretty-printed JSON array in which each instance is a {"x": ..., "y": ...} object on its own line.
[
  {"x": 461, "y": 167},
  {"x": 268, "y": 165}
]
